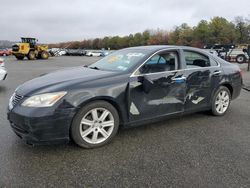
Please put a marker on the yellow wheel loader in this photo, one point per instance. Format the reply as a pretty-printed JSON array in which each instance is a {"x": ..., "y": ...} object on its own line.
[{"x": 28, "y": 48}]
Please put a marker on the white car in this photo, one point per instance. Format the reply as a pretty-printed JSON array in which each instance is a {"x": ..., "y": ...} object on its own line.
[
  {"x": 3, "y": 71},
  {"x": 95, "y": 54}
]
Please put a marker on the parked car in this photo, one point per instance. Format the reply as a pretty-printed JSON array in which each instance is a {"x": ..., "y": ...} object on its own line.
[
  {"x": 5, "y": 52},
  {"x": 57, "y": 52},
  {"x": 129, "y": 87},
  {"x": 3, "y": 71},
  {"x": 106, "y": 52},
  {"x": 61, "y": 52},
  {"x": 75, "y": 52},
  {"x": 94, "y": 53}
]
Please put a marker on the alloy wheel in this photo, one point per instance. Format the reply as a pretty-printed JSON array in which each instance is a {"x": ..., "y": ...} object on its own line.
[
  {"x": 222, "y": 101},
  {"x": 97, "y": 125}
]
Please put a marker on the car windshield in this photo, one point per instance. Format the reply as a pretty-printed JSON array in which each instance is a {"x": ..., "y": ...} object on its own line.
[{"x": 121, "y": 60}]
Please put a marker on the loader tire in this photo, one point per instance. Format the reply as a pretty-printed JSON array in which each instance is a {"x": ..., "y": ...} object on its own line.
[
  {"x": 31, "y": 55},
  {"x": 44, "y": 55}
]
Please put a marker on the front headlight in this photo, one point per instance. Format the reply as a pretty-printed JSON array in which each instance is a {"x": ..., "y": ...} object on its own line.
[{"x": 43, "y": 100}]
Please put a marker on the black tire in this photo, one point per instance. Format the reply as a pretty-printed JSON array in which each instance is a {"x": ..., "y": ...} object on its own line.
[
  {"x": 31, "y": 55},
  {"x": 76, "y": 124},
  {"x": 241, "y": 58},
  {"x": 215, "y": 97},
  {"x": 20, "y": 57},
  {"x": 44, "y": 55}
]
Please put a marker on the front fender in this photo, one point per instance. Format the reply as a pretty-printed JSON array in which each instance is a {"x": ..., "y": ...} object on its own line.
[{"x": 116, "y": 95}]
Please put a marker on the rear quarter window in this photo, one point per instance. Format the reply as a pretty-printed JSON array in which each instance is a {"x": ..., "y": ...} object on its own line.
[{"x": 195, "y": 60}]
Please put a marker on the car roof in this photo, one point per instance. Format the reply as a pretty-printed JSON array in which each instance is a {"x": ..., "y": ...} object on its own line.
[{"x": 153, "y": 48}]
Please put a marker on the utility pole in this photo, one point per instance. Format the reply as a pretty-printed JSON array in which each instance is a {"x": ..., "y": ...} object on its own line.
[{"x": 248, "y": 53}]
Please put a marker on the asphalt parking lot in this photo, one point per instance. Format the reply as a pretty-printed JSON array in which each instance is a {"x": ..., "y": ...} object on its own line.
[{"x": 197, "y": 150}]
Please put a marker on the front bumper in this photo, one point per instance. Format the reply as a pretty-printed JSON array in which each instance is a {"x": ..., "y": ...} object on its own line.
[{"x": 42, "y": 125}]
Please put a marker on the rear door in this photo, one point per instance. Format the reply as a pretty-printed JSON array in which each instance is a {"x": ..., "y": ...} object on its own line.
[{"x": 203, "y": 74}]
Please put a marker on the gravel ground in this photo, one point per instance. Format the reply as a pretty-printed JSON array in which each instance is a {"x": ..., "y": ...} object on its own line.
[{"x": 197, "y": 150}]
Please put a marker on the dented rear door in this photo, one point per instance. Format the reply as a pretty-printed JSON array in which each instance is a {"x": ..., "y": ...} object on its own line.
[{"x": 203, "y": 75}]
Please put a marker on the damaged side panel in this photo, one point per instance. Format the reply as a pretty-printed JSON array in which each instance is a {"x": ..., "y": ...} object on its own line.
[{"x": 199, "y": 85}]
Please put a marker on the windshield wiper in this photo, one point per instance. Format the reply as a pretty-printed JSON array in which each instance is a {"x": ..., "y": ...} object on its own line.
[{"x": 94, "y": 68}]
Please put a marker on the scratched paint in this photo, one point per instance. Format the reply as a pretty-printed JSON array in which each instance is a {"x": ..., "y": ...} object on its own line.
[
  {"x": 199, "y": 99},
  {"x": 133, "y": 109},
  {"x": 165, "y": 100}
]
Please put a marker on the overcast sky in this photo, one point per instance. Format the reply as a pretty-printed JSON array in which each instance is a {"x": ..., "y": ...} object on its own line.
[{"x": 65, "y": 20}]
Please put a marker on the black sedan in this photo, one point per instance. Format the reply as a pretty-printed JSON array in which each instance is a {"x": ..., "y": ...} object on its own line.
[{"x": 129, "y": 87}]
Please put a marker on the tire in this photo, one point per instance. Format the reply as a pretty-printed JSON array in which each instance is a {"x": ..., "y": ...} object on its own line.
[
  {"x": 31, "y": 55},
  {"x": 20, "y": 57},
  {"x": 94, "y": 133},
  {"x": 241, "y": 58},
  {"x": 221, "y": 101},
  {"x": 44, "y": 55}
]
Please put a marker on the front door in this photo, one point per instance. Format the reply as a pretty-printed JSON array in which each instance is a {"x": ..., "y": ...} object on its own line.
[{"x": 157, "y": 88}]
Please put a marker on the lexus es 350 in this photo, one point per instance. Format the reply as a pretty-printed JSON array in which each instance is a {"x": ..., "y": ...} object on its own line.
[{"x": 129, "y": 87}]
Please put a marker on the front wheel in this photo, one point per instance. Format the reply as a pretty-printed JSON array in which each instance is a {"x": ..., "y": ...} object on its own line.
[
  {"x": 95, "y": 125},
  {"x": 20, "y": 57},
  {"x": 221, "y": 101}
]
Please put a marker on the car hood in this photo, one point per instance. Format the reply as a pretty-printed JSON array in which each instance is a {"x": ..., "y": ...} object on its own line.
[{"x": 61, "y": 78}]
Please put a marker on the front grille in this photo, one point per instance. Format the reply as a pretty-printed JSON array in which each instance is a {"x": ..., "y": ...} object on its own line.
[{"x": 16, "y": 99}]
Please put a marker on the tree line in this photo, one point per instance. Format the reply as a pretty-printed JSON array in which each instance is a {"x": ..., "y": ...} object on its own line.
[{"x": 218, "y": 30}]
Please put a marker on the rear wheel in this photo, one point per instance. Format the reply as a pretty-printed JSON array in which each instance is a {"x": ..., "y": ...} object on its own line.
[
  {"x": 20, "y": 57},
  {"x": 221, "y": 101},
  {"x": 44, "y": 55},
  {"x": 31, "y": 55},
  {"x": 241, "y": 59},
  {"x": 95, "y": 125}
]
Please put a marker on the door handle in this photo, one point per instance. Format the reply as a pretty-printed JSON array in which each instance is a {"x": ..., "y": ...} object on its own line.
[
  {"x": 179, "y": 79},
  {"x": 217, "y": 72}
]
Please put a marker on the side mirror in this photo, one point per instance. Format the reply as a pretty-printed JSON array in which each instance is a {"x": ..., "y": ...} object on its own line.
[{"x": 147, "y": 83}]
